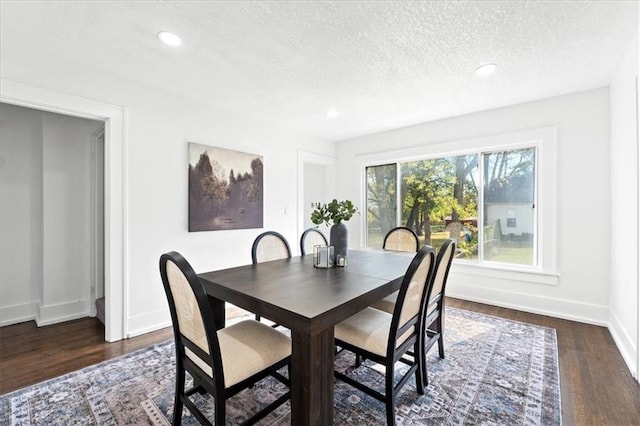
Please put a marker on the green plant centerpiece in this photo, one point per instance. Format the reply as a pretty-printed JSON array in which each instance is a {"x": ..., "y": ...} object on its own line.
[{"x": 334, "y": 214}]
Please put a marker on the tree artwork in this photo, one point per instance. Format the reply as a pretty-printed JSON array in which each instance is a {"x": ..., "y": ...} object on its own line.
[{"x": 225, "y": 189}]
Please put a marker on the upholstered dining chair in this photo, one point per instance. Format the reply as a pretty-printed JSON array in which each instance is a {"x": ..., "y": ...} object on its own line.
[
  {"x": 268, "y": 246},
  {"x": 434, "y": 320},
  {"x": 222, "y": 362},
  {"x": 384, "y": 337},
  {"x": 401, "y": 238},
  {"x": 311, "y": 237}
]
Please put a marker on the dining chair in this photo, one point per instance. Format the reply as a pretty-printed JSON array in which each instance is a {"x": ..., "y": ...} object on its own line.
[
  {"x": 311, "y": 237},
  {"x": 268, "y": 246},
  {"x": 401, "y": 238},
  {"x": 221, "y": 362},
  {"x": 434, "y": 320},
  {"x": 385, "y": 338}
]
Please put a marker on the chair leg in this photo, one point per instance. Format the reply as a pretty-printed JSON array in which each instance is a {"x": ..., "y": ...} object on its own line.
[
  {"x": 424, "y": 372},
  {"x": 220, "y": 414},
  {"x": 390, "y": 397},
  {"x": 419, "y": 360},
  {"x": 257, "y": 317},
  {"x": 441, "y": 331},
  {"x": 177, "y": 405},
  {"x": 423, "y": 363}
]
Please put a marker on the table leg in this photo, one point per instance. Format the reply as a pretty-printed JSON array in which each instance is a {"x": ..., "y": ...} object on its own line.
[
  {"x": 312, "y": 378},
  {"x": 217, "y": 306}
]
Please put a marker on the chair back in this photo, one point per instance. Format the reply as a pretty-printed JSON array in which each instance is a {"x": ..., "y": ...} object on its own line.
[
  {"x": 268, "y": 246},
  {"x": 443, "y": 264},
  {"x": 190, "y": 311},
  {"x": 412, "y": 296},
  {"x": 401, "y": 238},
  {"x": 311, "y": 237}
]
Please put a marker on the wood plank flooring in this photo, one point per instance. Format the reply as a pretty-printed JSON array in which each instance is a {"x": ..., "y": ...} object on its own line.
[{"x": 596, "y": 386}]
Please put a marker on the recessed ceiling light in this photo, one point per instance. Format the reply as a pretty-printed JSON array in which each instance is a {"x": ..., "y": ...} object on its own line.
[
  {"x": 486, "y": 69},
  {"x": 169, "y": 38},
  {"x": 332, "y": 114}
]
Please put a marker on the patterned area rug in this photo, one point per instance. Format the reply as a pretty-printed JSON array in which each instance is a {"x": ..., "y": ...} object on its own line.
[{"x": 495, "y": 372}]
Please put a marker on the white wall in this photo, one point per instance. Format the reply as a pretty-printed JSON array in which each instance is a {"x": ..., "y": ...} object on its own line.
[
  {"x": 583, "y": 185},
  {"x": 623, "y": 298},
  {"x": 20, "y": 213},
  {"x": 67, "y": 278},
  {"x": 45, "y": 216},
  {"x": 159, "y": 126},
  {"x": 158, "y": 194}
]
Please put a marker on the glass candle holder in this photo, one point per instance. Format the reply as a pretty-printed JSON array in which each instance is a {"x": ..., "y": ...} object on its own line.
[{"x": 323, "y": 256}]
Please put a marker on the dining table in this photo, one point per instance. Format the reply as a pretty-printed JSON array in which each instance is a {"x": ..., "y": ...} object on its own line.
[{"x": 309, "y": 301}]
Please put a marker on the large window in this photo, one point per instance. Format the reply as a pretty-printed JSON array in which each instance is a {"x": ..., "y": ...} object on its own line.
[
  {"x": 381, "y": 202},
  {"x": 484, "y": 200}
]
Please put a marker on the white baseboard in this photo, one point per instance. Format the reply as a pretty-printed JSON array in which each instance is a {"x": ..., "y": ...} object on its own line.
[
  {"x": 558, "y": 308},
  {"x": 625, "y": 344},
  {"x": 16, "y": 314},
  {"x": 152, "y": 321},
  {"x": 52, "y": 314},
  {"x": 148, "y": 322}
]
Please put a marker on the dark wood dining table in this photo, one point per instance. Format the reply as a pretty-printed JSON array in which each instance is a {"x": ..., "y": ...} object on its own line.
[{"x": 309, "y": 301}]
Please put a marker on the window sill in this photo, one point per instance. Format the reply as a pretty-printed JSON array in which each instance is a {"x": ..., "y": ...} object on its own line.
[{"x": 506, "y": 272}]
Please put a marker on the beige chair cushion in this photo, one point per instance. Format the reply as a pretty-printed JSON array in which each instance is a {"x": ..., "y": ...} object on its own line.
[
  {"x": 369, "y": 330},
  {"x": 187, "y": 310},
  {"x": 387, "y": 304},
  {"x": 415, "y": 291},
  {"x": 438, "y": 281},
  {"x": 412, "y": 299},
  {"x": 247, "y": 347}
]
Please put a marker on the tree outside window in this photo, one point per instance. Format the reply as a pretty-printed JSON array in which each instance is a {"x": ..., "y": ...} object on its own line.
[
  {"x": 439, "y": 198},
  {"x": 381, "y": 202}
]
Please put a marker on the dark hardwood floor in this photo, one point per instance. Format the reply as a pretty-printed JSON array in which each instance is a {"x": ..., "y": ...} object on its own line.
[{"x": 596, "y": 386}]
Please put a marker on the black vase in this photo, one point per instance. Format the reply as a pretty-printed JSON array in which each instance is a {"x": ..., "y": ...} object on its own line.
[{"x": 338, "y": 237}]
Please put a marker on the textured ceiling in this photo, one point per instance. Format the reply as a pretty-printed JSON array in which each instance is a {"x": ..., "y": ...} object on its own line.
[{"x": 382, "y": 65}]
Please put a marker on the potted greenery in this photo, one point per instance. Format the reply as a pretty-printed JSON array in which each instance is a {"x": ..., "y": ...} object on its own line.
[{"x": 334, "y": 214}]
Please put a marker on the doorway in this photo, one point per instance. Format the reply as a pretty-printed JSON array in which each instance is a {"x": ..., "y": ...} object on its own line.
[
  {"x": 115, "y": 229},
  {"x": 316, "y": 184},
  {"x": 50, "y": 225}
]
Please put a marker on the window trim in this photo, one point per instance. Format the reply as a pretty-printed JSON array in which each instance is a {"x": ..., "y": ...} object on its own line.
[{"x": 546, "y": 213}]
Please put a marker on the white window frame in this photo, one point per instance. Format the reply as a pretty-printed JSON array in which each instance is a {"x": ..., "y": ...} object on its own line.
[{"x": 544, "y": 270}]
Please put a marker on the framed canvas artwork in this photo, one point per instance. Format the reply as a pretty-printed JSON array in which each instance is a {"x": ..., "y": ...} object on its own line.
[{"x": 225, "y": 189}]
